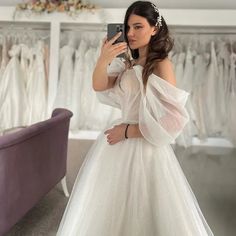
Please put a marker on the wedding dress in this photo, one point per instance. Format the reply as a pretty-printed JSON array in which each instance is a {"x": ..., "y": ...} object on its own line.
[
  {"x": 102, "y": 114},
  {"x": 3, "y": 65},
  {"x": 37, "y": 84},
  {"x": 232, "y": 98},
  {"x": 13, "y": 98},
  {"x": 136, "y": 187},
  {"x": 223, "y": 58},
  {"x": 78, "y": 85},
  {"x": 185, "y": 138},
  {"x": 211, "y": 89},
  {"x": 199, "y": 83},
  {"x": 63, "y": 98}
]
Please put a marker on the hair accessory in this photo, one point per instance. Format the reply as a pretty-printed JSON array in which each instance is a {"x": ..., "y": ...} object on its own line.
[{"x": 159, "y": 18}]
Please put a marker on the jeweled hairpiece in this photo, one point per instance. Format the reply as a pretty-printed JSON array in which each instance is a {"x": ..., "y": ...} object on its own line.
[{"x": 159, "y": 18}]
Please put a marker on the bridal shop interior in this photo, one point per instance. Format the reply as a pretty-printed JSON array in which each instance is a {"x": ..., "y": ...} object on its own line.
[{"x": 47, "y": 61}]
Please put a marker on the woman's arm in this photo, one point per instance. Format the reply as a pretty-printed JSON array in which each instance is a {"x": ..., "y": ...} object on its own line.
[
  {"x": 133, "y": 131},
  {"x": 117, "y": 133},
  {"x": 101, "y": 81}
]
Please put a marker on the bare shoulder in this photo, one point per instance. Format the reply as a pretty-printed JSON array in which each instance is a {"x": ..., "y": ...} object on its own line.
[{"x": 164, "y": 69}]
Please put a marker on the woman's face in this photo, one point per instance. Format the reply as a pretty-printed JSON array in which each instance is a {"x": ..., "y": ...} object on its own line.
[{"x": 139, "y": 31}]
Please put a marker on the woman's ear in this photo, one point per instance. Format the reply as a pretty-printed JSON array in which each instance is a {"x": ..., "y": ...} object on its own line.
[{"x": 155, "y": 30}]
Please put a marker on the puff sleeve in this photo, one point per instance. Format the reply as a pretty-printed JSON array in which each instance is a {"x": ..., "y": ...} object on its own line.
[
  {"x": 110, "y": 96},
  {"x": 162, "y": 115}
]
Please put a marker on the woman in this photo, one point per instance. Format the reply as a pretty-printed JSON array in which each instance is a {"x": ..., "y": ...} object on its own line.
[{"x": 131, "y": 183}]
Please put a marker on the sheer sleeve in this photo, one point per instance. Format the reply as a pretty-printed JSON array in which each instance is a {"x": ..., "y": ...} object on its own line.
[
  {"x": 162, "y": 115},
  {"x": 110, "y": 96}
]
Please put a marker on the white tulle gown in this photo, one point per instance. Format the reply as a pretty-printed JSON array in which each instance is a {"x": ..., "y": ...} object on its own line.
[
  {"x": 13, "y": 98},
  {"x": 136, "y": 187}
]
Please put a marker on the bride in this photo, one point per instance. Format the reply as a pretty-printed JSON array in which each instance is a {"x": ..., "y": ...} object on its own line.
[{"x": 131, "y": 183}]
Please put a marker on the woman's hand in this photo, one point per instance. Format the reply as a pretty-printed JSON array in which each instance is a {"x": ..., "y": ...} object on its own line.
[
  {"x": 116, "y": 134},
  {"x": 109, "y": 50}
]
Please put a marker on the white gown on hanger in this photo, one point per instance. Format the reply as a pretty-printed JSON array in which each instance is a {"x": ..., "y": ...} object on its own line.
[
  {"x": 102, "y": 114},
  {"x": 13, "y": 99},
  {"x": 136, "y": 187},
  {"x": 37, "y": 84},
  {"x": 64, "y": 97},
  {"x": 4, "y": 62},
  {"x": 189, "y": 131},
  {"x": 87, "y": 93},
  {"x": 223, "y": 58},
  {"x": 211, "y": 89},
  {"x": 198, "y": 98},
  {"x": 89, "y": 101},
  {"x": 232, "y": 99},
  {"x": 78, "y": 81},
  {"x": 24, "y": 62}
]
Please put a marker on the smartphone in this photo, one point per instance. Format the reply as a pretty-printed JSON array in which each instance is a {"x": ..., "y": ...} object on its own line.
[{"x": 112, "y": 30}]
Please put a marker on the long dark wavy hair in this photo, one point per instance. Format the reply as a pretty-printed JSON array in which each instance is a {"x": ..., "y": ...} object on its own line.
[{"x": 160, "y": 44}]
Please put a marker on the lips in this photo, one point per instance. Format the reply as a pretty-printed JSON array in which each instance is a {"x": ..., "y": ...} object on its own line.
[{"x": 131, "y": 41}]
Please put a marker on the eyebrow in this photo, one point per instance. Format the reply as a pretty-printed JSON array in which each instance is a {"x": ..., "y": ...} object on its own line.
[{"x": 134, "y": 24}]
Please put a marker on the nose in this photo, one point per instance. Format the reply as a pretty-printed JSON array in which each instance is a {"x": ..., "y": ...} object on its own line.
[{"x": 130, "y": 33}]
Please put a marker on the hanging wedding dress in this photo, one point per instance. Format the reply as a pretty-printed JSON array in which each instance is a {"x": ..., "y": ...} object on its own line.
[
  {"x": 87, "y": 93},
  {"x": 232, "y": 98},
  {"x": 13, "y": 94},
  {"x": 223, "y": 58},
  {"x": 37, "y": 84},
  {"x": 198, "y": 97},
  {"x": 24, "y": 62},
  {"x": 1, "y": 52},
  {"x": 136, "y": 187},
  {"x": 4, "y": 61},
  {"x": 185, "y": 138},
  {"x": 211, "y": 89},
  {"x": 5, "y": 48},
  {"x": 78, "y": 81},
  {"x": 101, "y": 113},
  {"x": 64, "y": 97}
]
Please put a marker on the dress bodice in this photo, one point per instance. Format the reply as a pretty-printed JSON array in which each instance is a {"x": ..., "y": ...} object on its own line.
[
  {"x": 128, "y": 91},
  {"x": 15, "y": 51},
  {"x": 159, "y": 108},
  {"x": 66, "y": 55}
]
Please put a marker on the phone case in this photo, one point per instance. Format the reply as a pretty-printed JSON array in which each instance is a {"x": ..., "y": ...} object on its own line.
[{"x": 113, "y": 29}]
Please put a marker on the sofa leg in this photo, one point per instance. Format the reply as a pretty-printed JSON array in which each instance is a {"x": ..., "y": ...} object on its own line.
[{"x": 64, "y": 186}]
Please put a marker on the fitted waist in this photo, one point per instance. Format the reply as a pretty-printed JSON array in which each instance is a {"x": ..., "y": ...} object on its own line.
[{"x": 121, "y": 120}]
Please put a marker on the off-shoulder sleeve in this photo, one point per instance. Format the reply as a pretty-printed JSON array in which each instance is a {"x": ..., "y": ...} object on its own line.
[
  {"x": 110, "y": 96},
  {"x": 162, "y": 115}
]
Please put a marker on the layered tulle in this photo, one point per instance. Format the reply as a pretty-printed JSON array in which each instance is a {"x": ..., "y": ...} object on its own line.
[{"x": 136, "y": 187}]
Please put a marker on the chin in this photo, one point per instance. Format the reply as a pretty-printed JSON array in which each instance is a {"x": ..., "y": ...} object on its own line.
[{"x": 133, "y": 47}]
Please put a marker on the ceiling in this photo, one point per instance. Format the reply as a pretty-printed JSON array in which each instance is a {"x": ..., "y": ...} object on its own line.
[{"x": 171, "y": 4}]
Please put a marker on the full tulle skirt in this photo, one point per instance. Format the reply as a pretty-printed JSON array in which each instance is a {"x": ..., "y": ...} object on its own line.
[{"x": 132, "y": 189}]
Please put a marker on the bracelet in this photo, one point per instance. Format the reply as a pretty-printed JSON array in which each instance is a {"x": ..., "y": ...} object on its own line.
[{"x": 126, "y": 129}]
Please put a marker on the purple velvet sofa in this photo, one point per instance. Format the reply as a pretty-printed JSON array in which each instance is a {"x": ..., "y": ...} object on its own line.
[{"x": 32, "y": 162}]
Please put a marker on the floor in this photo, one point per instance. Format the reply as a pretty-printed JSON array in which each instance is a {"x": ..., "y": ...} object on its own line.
[{"x": 211, "y": 173}]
